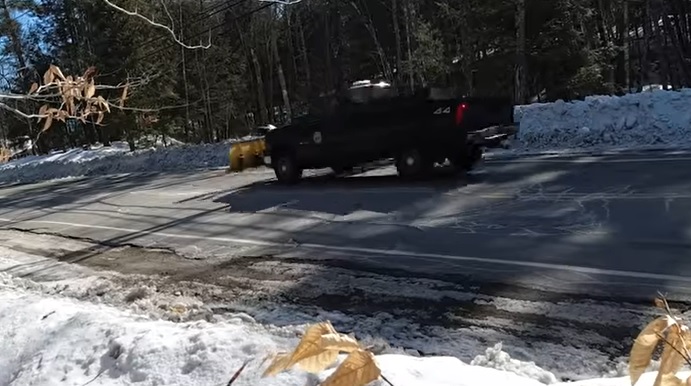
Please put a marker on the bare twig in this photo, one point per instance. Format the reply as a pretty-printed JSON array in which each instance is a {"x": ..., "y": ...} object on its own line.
[
  {"x": 170, "y": 17},
  {"x": 161, "y": 26},
  {"x": 386, "y": 380},
  {"x": 147, "y": 110},
  {"x": 237, "y": 373},
  {"x": 97, "y": 375},
  {"x": 663, "y": 298},
  {"x": 685, "y": 356},
  {"x": 20, "y": 113}
]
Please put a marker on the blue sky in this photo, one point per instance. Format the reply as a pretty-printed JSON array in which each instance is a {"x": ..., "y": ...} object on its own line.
[{"x": 26, "y": 19}]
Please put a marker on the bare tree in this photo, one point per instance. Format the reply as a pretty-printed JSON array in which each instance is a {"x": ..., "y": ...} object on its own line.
[{"x": 169, "y": 29}]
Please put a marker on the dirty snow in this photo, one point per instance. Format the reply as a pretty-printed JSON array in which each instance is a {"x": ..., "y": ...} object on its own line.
[
  {"x": 57, "y": 340},
  {"x": 654, "y": 119}
]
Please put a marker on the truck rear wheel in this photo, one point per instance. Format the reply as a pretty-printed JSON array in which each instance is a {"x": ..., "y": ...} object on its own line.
[
  {"x": 413, "y": 163},
  {"x": 286, "y": 169}
]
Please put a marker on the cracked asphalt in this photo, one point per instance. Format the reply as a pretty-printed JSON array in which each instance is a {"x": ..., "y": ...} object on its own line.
[{"x": 616, "y": 226}]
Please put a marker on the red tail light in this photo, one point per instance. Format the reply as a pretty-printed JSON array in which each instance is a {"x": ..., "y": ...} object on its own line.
[{"x": 460, "y": 111}]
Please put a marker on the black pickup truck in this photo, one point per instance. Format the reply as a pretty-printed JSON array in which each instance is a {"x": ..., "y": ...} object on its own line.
[{"x": 415, "y": 131}]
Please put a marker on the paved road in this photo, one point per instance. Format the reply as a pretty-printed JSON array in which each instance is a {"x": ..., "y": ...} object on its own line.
[{"x": 616, "y": 225}]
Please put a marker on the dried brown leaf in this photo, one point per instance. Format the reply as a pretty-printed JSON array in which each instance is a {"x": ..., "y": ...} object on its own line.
[
  {"x": 310, "y": 344},
  {"x": 280, "y": 362},
  {"x": 48, "y": 122},
  {"x": 339, "y": 342},
  {"x": 358, "y": 369},
  {"x": 672, "y": 358},
  {"x": 102, "y": 103},
  {"x": 57, "y": 72},
  {"x": 644, "y": 346},
  {"x": 320, "y": 362},
  {"x": 42, "y": 111},
  {"x": 669, "y": 380},
  {"x": 123, "y": 97},
  {"x": 34, "y": 87},
  {"x": 48, "y": 76},
  {"x": 100, "y": 117},
  {"x": 90, "y": 89},
  {"x": 89, "y": 73}
]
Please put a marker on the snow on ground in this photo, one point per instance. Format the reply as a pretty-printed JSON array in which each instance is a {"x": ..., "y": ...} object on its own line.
[
  {"x": 114, "y": 160},
  {"x": 649, "y": 119},
  {"x": 50, "y": 340}
]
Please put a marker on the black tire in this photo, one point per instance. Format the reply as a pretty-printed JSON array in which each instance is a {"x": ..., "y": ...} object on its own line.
[
  {"x": 413, "y": 163},
  {"x": 286, "y": 169}
]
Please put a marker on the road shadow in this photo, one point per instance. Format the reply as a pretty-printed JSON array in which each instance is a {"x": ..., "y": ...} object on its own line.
[{"x": 339, "y": 195}]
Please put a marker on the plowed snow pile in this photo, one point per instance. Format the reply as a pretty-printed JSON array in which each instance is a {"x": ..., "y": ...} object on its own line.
[
  {"x": 648, "y": 119},
  {"x": 114, "y": 160}
]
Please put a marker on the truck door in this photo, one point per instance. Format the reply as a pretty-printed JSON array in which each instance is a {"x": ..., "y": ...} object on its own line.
[{"x": 323, "y": 144}]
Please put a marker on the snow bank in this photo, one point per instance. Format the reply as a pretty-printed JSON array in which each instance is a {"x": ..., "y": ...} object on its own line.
[
  {"x": 114, "y": 160},
  {"x": 60, "y": 341},
  {"x": 657, "y": 118},
  {"x": 63, "y": 332},
  {"x": 52, "y": 340}
]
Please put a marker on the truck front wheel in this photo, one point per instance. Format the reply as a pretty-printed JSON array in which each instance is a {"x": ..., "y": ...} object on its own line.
[
  {"x": 413, "y": 164},
  {"x": 286, "y": 169}
]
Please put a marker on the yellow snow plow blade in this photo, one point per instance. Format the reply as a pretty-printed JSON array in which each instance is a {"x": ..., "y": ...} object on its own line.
[{"x": 246, "y": 154}]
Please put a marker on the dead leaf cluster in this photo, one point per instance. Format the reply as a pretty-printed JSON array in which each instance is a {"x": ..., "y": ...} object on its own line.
[
  {"x": 77, "y": 97},
  {"x": 319, "y": 349},
  {"x": 666, "y": 330},
  {"x": 5, "y": 155}
]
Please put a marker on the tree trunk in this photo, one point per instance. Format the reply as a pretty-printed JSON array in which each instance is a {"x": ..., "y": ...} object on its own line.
[
  {"x": 647, "y": 35},
  {"x": 261, "y": 99},
  {"x": 520, "y": 69},
  {"x": 184, "y": 81},
  {"x": 369, "y": 25},
  {"x": 626, "y": 46},
  {"x": 281, "y": 76},
  {"x": 397, "y": 35},
  {"x": 408, "y": 27},
  {"x": 305, "y": 59}
]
